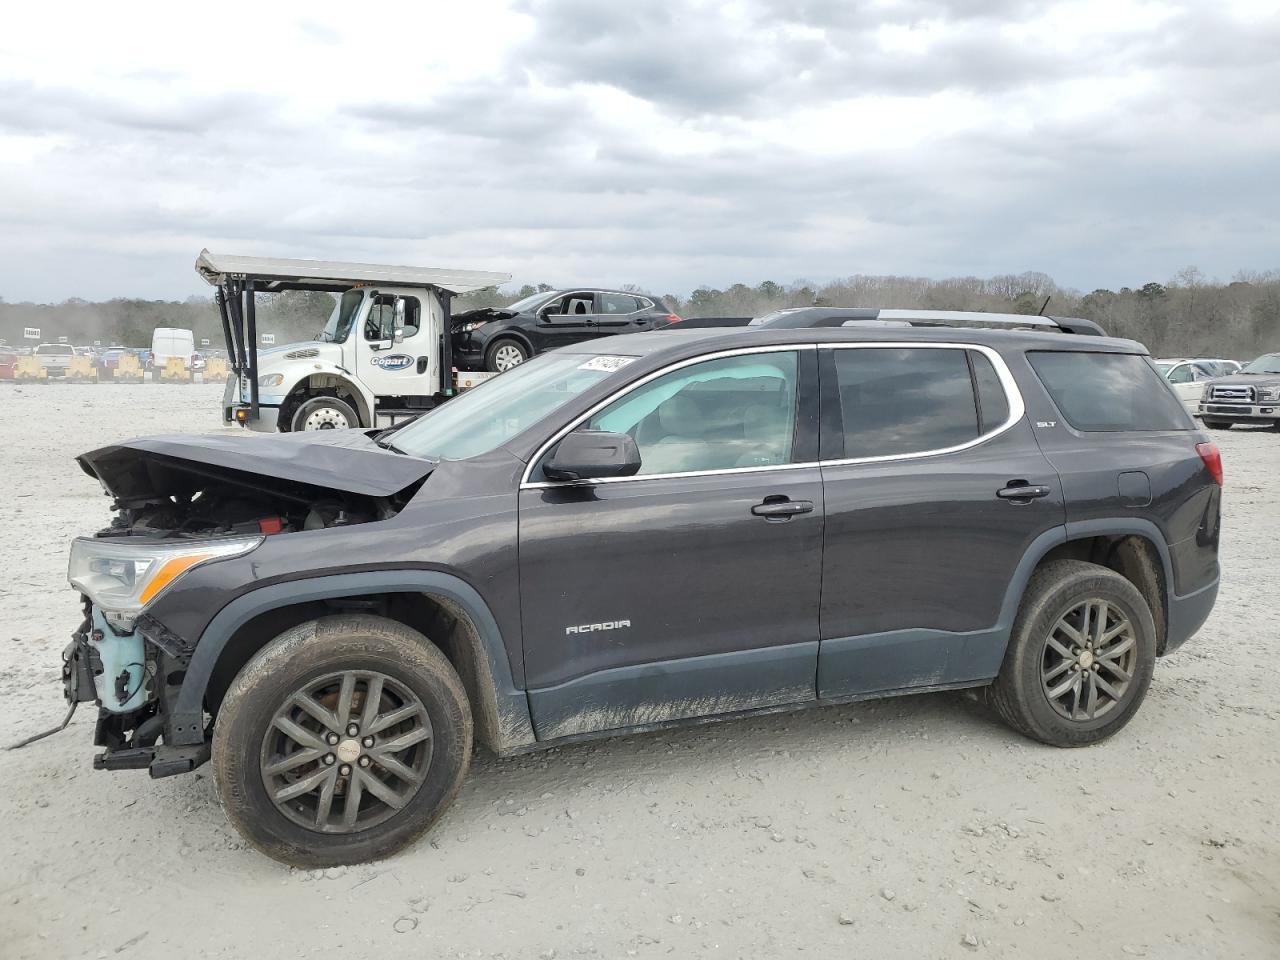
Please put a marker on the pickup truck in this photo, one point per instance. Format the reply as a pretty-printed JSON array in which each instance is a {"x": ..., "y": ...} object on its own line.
[{"x": 55, "y": 357}]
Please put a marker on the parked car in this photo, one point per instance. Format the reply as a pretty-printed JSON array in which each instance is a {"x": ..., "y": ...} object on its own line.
[
  {"x": 197, "y": 363},
  {"x": 498, "y": 338},
  {"x": 1188, "y": 377},
  {"x": 625, "y": 534},
  {"x": 1250, "y": 396},
  {"x": 8, "y": 359}
]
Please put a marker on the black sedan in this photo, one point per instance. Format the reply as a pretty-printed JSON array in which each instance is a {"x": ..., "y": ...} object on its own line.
[{"x": 499, "y": 338}]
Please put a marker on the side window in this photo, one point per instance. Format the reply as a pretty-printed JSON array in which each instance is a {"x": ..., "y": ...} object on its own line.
[
  {"x": 380, "y": 322},
  {"x": 993, "y": 402},
  {"x": 717, "y": 415},
  {"x": 618, "y": 303},
  {"x": 904, "y": 400},
  {"x": 1181, "y": 373},
  {"x": 571, "y": 305}
]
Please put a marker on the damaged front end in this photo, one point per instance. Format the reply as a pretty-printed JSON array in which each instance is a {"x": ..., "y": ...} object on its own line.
[{"x": 182, "y": 503}]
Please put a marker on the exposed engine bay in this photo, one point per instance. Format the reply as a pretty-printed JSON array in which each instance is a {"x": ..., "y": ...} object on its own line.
[{"x": 202, "y": 488}]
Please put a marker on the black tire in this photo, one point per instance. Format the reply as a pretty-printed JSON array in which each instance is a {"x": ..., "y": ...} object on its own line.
[
  {"x": 504, "y": 347},
  {"x": 1021, "y": 698},
  {"x": 1216, "y": 424},
  {"x": 324, "y": 413},
  {"x": 268, "y": 683}
]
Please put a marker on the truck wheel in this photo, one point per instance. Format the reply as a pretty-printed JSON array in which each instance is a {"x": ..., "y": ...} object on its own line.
[
  {"x": 504, "y": 354},
  {"x": 1080, "y": 658},
  {"x": 324, "y": 413},
  {"x": 1216, "y": 424},
  {"x": 341, "y": 741}
]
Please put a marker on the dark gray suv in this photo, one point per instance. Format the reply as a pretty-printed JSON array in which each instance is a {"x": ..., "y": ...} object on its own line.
[{"x": 622, "y": 535}]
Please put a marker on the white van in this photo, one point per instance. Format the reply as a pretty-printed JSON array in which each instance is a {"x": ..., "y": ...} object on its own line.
[{"x": 169, "y": 342}]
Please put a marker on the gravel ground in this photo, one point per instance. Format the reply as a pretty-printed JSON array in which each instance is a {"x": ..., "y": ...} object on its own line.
[{"x": 917, "y": 827}]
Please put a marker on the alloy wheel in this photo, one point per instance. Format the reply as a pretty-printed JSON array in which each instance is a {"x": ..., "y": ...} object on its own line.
[
  {"x": 1089, "y": 661},
  {"x": 346, "y": 752}
]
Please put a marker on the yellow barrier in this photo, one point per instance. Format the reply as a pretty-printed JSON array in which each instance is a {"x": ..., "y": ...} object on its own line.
[
  {"x": 175, "y": 368},
  {"x": 29, "y": 368},
  {"x": 215, "y": 368},
  {"x": 81, "y": 368},
  {"x": 127, "y": 370}
]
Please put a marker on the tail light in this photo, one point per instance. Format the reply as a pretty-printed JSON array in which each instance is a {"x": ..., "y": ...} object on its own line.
[
  {"x": 671, "y": 318},
  {"x": 1212, "y": 458}
]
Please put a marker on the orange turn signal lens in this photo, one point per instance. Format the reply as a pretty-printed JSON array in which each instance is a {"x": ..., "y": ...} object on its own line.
[{"x": 169, "y": 571}]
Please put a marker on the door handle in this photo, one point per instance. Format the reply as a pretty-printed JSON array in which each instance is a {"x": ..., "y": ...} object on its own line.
[
  {"x": 1020, "y": 490},
  {"x": 423, "y": 363},
  {"x": 781, "y": 508}
]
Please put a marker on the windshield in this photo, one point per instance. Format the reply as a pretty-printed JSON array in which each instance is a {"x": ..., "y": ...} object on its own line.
[
  {"x": 486, "y": 417},
  {"x": 344, "y": 314},
  {"x": 1267, "y": 363},
  {"x": 530, "y": 301}
]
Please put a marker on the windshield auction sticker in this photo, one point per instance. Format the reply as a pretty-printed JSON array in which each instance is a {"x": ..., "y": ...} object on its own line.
[{"x": 607, "y": 364}]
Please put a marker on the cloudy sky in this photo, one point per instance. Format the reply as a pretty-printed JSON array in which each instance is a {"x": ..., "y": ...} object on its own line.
[{"x": 675, "y": 144}]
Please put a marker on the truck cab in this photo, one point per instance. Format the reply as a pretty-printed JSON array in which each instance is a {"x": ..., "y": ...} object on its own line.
[{"x": 381, "y": 356}]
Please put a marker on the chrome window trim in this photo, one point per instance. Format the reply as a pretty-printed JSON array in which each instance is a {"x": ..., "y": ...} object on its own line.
[
  {"x": 1017, "y": 406},
  {"x": 1017, "y": 410}
]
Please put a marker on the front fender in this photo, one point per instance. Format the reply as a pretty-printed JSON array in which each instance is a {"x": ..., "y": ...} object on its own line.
[{"x": 508, "y": 705}]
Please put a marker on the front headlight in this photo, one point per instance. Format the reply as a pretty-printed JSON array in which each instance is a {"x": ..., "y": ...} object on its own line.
[
  {"x": 271, "y": 380},
  {"x": 473, "y": 325},
  {"x": 1269, "y": 394},
  {"x": 122, "y": 578},
  {"x": 1208, "y": 389}
]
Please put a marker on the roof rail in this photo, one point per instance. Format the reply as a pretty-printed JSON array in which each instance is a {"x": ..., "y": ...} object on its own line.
[{"x": 959, "y": 318}]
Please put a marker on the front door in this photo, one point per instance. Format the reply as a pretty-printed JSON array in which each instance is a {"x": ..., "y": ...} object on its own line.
[
  {"x": 925, "y": 450},
  {"x": 570, "y": 318},
  {"x": 692, "y": 588},
  {"x": 392, "y": 369}
]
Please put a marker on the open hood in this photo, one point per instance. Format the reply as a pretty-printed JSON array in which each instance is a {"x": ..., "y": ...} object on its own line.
[
  {"x": 480, "y": 315},
  {"x": 347, "y": 461}
]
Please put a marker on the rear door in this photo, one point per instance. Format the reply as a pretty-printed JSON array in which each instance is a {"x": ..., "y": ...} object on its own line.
[
  {"x": 622, "y": 313},
  {"x": 934, "y": 488},
  {"x": 692, "y": 588}
]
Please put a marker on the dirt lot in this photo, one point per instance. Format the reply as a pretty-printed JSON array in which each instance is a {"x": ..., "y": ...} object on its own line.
[{"x": 916, "y": 827}]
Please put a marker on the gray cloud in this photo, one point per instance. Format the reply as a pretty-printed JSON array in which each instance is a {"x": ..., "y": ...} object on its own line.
[{"x": 1108, "y": 163}]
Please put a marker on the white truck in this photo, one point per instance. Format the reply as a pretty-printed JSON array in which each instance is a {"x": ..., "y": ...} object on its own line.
[
  {"x": 171, "y": 343},
  {"x": 384, "y": 354},
  {"x": 55, "y": 358}
]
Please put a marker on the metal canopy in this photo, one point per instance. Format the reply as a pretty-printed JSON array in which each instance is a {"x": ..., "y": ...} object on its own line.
[{"x": 272, "y": 274}]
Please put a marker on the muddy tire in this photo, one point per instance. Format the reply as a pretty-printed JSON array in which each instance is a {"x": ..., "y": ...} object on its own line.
[
  {"x": 324, "y": 413},
  {"x": 505, "y": 353},
  {"x": 350, "y": 707},
  {"x": 1081, "y": 656}
]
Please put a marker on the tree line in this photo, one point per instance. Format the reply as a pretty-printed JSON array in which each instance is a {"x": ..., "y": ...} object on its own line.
[{"x": 1188, "y": 315}]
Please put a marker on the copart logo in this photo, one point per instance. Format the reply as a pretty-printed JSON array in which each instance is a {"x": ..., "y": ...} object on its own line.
[
  {"x": 596, "y": 627},
  {"x": 397, "y": 361}
]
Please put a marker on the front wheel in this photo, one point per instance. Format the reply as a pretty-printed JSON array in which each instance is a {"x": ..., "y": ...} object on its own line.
[
  {"x": 504, "y": 354},
  {"x": 324, "y": 413},
  {"x": 341, "y": 741},
  {"x": 1081, "y": 656}
]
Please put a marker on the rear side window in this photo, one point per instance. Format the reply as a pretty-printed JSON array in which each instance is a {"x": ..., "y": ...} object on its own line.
[
  {"x": 1108, "y": 391},
  {"x": 905, "y": 400}
]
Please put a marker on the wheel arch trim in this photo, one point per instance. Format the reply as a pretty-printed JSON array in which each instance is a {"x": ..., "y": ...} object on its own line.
[{"x": 511, "y": 705}]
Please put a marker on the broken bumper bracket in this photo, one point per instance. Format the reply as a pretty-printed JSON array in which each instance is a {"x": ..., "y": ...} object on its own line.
[{"x": 160, "y": 761}]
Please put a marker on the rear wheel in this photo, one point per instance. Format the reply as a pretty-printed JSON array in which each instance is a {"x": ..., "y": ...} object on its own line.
[
  {"x": 504, "y": 354},
  {"x": 341, "y": 741},
  {"x": 324, "y": 413},
  {"x": 1081, "y": 656},
  {"x": 1216, "y": 424}
]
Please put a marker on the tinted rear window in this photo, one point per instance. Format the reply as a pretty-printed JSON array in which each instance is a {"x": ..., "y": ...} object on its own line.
[{"x": 1109, "y": 391}]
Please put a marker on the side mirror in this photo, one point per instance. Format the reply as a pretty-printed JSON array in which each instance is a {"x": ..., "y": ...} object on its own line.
[
  {"x": 592, "y": 455},
  {"x": 397, "y": 321}
]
